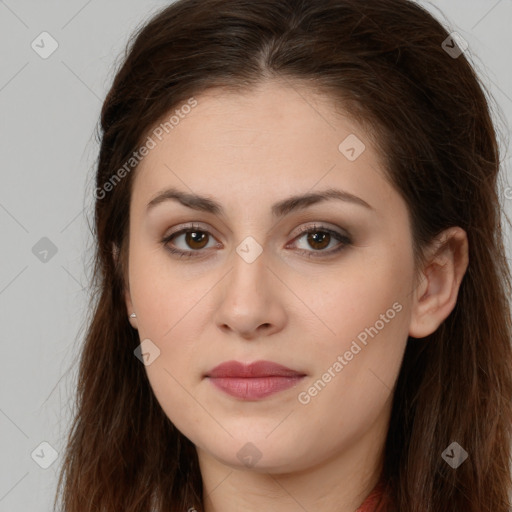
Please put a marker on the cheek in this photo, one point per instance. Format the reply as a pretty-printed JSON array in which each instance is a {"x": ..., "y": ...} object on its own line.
[
  {"x": 167, "y": 314},
  {"x": 173, "y": 386},
  {"x": 366, "y": 294},
  {"x": 160, "y": 295},
  {"x": 355, "y": 371},
  {"x": 367, "y": 314}
]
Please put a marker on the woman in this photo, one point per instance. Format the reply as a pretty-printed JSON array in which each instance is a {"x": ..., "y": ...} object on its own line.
[{"x": 302, "y": 289}]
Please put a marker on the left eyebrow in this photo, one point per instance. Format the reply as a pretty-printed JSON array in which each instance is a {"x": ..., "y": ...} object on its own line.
[{"x": 279, "y": 209}]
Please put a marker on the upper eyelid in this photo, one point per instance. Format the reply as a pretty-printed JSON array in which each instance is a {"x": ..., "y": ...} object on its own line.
[
  {"x": 319, "y": 225},
  {"x": 187, "y": 227}
]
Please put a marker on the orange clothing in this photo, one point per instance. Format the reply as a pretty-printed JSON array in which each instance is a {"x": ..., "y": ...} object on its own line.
[{"x": 373, "y": 499}]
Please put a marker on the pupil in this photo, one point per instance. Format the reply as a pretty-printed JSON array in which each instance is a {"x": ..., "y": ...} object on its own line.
[
  {"x": 319, "y": 235},
  {"x": 194, "y": 234}
]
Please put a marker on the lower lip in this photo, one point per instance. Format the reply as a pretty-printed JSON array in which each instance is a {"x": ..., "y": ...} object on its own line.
[{"x": 254, "y": 388}]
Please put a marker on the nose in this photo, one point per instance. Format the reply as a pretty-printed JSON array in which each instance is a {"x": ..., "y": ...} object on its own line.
[{"x": 251, "y": 302}]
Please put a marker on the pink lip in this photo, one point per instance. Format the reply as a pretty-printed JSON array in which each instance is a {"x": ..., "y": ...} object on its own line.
[{"x": 254, "y": 381}]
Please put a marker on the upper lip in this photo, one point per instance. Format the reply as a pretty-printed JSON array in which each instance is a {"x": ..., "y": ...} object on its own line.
[{"x": 236, "y": 369}]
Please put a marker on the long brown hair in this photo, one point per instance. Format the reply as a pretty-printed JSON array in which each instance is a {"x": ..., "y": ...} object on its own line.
[{"x": 387, "y": 64}]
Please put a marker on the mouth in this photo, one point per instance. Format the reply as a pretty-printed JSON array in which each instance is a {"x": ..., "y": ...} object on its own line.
[{"x": 253, "y": 381}]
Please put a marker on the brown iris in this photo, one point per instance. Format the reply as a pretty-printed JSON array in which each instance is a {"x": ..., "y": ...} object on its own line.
[
  {"x": 318, "y": 237},
  {"x": 196, "y": 237}
]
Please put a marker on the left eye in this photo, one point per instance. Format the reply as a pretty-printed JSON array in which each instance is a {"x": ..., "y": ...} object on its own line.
[
  {"x": 319, "y": 237},
  {"x": 197, "y": 239}
]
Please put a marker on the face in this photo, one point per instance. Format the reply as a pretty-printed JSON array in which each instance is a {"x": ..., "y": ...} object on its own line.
[{"x": 317, "y": 291}]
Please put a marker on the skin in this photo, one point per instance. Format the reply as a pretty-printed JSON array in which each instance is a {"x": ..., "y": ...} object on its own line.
[{"x": 248, "y": 151}]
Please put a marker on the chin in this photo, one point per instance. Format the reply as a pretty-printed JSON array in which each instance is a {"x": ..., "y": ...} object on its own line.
[{"x": 259, "y": 455}]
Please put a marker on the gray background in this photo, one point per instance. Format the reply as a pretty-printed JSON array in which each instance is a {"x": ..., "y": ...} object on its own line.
[{"x": 49, "y": 110}]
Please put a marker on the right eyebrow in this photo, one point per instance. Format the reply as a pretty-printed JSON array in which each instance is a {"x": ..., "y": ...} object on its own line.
[{"x": 279, "y": 209}]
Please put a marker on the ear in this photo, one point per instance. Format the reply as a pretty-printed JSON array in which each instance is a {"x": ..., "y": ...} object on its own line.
[
  {"x": 127, "y": 296},
  {"x": 436, "y": 295}
]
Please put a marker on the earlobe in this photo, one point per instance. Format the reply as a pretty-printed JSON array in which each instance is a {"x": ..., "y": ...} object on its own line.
[
  {"x": 436, "y": 295},
  {"x": 132, "y": 317}
]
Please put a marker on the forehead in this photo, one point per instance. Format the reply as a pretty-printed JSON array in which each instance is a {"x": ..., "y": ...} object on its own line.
[{"x": 260, "y": 143}]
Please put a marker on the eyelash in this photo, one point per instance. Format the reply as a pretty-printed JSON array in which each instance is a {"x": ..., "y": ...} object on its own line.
[{"x": 345, "y": 241}]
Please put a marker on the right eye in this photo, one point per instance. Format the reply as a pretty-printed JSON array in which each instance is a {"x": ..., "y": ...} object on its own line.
[{"x": 194, "y": 237}]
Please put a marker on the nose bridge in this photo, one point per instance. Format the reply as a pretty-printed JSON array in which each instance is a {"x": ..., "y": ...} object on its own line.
[
  {"x": 249, "y": 300},
  {"x": 249, "y": 267}
]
